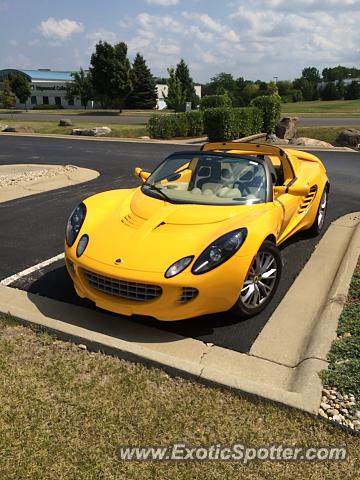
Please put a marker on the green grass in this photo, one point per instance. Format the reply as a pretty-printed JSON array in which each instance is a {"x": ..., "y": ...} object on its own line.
[
  {"x": 99, "y": 112},
  {"x": 65, "y": 411},
  {"x": 49, "y": 127},
  {"x": 344, "y": 355},
  {"x": 322, "y": 108},
  {"x": 325, "y": 133}
]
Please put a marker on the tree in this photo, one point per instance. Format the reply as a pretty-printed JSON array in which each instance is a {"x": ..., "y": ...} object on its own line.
[
  {"x": 352, "y": 91},
  {"x": 187, "y": 85},
  {"x": 175, "y": 97},
  {"x": 144, "y": 93},
  {"x": 81, "y": 87},
  {"x": 339, "y": 73},
  {"x": 311, "y": 74},
  {"x": 6, "y": 98},
  {"x": 308, "y": 89},
  {"x": 20, "y": 86},
  {"x": 111, "y": 73},
  {"x": 330, "y": 92}
]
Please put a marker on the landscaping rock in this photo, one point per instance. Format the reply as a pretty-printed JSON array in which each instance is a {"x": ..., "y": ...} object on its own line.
[
  {"x": 310, "y": 142},
  {"x": 3, "y": 127},
  {"x": 92, "y": 132},
  {"x": 19, "y": 129},
  {"x": 287, "y": 128},
  {"x": 274, "y": 140},
  {"x": 349, "y": 138},
  {"x": 65, "y": 122}
]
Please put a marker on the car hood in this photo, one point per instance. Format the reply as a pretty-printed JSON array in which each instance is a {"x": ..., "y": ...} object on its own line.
[{"x": 150, "y": 234}]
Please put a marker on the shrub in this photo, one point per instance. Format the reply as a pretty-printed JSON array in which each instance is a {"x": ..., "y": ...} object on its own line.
[
  {"x": 248, "y": 121},
  {"x": 195, "y": 121},
  {"x": 181, "y": 125},
  {"x": 215, "y": 101},
  {"x": 162, "y": 126},
  {"x": 219, "y": 123},
  {"x": 48, "y": 107},
  {"x": 270, "y": 106}
]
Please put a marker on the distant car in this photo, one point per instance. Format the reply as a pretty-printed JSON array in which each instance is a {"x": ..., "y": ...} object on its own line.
[{"x": 200, "y": 234}]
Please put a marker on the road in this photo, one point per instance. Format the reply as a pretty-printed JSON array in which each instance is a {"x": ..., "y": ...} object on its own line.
[
  {"x": 135, "y": 119},
  {"x": 32, "y": 229}
]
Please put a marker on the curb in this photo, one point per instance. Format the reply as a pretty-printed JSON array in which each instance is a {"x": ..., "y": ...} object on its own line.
[{"x": 296, "y": 385}]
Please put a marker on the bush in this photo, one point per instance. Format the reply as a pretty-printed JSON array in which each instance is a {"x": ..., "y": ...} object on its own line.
[
  {"x": 48, "y": 107},
  {"x": 219, "y": 124},
  {"x": 181, "y": 125},
  {"x": 162, "y": 126},
  {"x": 215, "y": 101},
  {"x": 270, "y": 106},
  {"x": 222, "y": 124},
  {"x": 248, "y": 121},
  {"x": 195, "y": 121}
]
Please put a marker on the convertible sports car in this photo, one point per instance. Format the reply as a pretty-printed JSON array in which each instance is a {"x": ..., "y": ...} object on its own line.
[{"x": 200, "y": 234}]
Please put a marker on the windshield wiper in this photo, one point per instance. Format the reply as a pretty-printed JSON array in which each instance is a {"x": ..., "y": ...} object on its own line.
[{"x": 153, "y": 187}]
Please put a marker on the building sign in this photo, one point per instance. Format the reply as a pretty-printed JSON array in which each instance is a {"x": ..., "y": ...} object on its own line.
[{"x": 41, "y": 88}]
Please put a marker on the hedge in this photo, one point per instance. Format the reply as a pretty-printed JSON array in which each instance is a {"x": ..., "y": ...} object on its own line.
[
  {"x": 222, "y": 124},
  {"x": 45, "y": 106},
  {"x": 214, "y": 101},
  {"x": 270, "y": 106},
  {"x": 188, "y": 124}
]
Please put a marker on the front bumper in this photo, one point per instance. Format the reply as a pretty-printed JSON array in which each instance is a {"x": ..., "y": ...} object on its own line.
[{"x": 218, "y": 290}]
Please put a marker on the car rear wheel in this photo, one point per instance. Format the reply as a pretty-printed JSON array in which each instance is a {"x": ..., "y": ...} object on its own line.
[
  {"x": 319, "y": 221},
  {"x": 261, "y": 281}
]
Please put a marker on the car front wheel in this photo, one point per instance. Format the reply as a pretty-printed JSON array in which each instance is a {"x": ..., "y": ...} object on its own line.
[
  {"x": 319, "y": 221},
  {"x": 261, "y": 281}
]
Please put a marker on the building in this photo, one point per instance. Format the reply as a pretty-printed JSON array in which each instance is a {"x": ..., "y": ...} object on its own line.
[
  {"x": 162, "y": 91},
  {"x": 49, "y": 88}
]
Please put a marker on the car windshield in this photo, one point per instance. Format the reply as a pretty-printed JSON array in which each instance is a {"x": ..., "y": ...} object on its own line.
[{"x": 210, "y": 179}]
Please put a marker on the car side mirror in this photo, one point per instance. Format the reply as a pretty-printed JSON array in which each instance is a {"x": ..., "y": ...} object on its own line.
[
  {"x": 139, "y": 172},
  {"x": 298, "y": 189}
]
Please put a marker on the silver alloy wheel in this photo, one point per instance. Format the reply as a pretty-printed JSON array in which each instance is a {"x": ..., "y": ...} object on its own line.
[
  {"x": 260, "y": 280},
  {"x": 322, "y": 210}
]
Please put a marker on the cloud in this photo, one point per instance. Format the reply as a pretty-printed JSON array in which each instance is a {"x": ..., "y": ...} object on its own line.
[
  {"x": 59, "y": 29},
  {"x": 163, "y": 3}
]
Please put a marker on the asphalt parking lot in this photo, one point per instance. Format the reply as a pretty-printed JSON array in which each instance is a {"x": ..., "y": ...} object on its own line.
[{"x": 32, "y": 228}]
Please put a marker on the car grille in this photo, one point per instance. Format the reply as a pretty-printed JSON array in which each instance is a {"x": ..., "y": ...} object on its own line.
[
  {"x": 187, "y": 294},
  {"x": 308, "y": 199},
  {"x": 141, "y": 292}
]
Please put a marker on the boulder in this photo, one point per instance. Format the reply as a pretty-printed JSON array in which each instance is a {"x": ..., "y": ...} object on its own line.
[
  {"x": 310, "y": 142},
  {"x": 287, "y": 128},
  {"x": 65, "y": 122},
  {"x": 19, "y": 129},
  {"x": 91, "y": 132},
  {"x": 3, "y": 127},
  {"x": 274, "y": 140},
  {"x": 348, "y": 138}
]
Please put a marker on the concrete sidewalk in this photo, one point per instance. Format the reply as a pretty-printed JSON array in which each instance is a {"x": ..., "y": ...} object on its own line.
[{"x": 285, "y": 360}]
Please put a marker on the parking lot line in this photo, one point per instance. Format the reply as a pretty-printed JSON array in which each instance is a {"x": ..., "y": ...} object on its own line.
[{"x": 28, "y": 271}]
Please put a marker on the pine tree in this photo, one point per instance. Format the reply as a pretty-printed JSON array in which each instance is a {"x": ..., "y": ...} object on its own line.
[
  {"x": 144, "y": 93},
  {"x": 176, "y": 96},
  {"x": 187, "y": 85}
]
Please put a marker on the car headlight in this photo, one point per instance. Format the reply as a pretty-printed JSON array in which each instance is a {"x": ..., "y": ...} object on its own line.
[
  {"x": 219, "y": 251},
  {"x": 74, "y": 224},
  {"x": 178, "y": 266},
  {"x": 83, "y": 242}
]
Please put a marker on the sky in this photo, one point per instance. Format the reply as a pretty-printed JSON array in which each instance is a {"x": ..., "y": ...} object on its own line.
[{"x": 257, "y": 39}]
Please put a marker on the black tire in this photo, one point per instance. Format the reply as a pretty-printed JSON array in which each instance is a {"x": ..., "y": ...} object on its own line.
[
  {"x": 319, "y": 221},
  {"x": 242, "y": 308}
]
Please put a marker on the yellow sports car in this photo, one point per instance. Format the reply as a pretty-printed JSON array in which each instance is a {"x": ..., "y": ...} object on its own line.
[{"x": 200, "y": 234}]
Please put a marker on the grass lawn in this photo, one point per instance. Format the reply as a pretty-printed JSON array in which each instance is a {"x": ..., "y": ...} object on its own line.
[
  {"x": 322, "y": 108},
  {"x": 325, "y": 133},
  {"x": 95, "y": 111},
  {"x": 118, "y": 130},
  {"x": 65, "y": 411},
  {"x": 344, "y": 355}
]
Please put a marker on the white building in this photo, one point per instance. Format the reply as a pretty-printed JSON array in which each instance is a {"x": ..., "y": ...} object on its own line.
[
  {"x": 47, "y": 87},
  {"x": 162, "y": 91}
]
